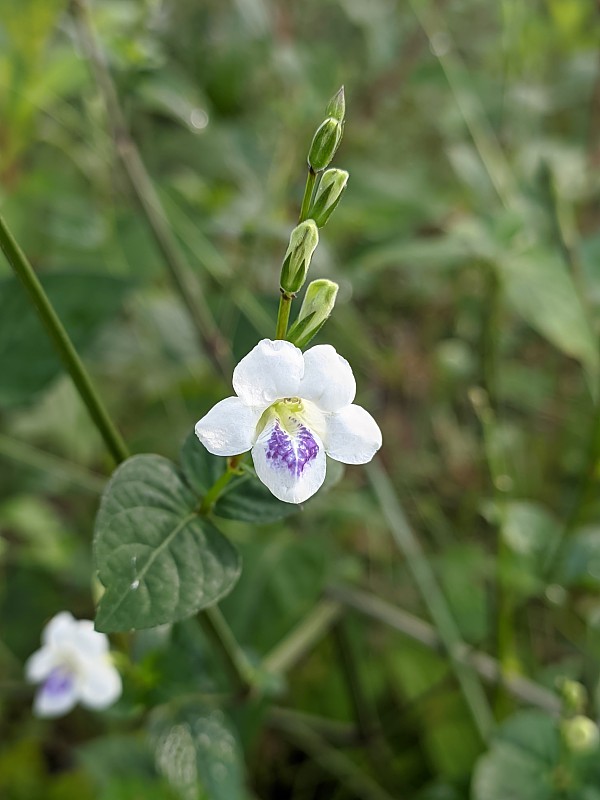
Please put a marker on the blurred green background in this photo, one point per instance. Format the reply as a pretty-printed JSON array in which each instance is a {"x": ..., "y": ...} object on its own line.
[{"x": 467, "y": 249}]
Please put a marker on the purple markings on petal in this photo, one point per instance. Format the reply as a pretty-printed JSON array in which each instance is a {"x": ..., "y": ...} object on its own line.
[
  {"x": 293, "y": 453},
  {"x": 58, "y": 682}
]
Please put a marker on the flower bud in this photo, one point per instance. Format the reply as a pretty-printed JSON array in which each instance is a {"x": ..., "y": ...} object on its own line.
[
  {"x": 303, "y": 241},
  {"x": 573, "y": 694},
  {"x": 328, "y": 195},
  {"x": 316, "y": 308},
  {"x": 336, "y": 107},
  {"x": 580, "y": 734},
  {"x": 324, "y": 144}
]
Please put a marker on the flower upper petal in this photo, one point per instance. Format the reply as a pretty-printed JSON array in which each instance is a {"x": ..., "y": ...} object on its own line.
[
  {"x": 353, "y": 436},
  {"x": 57, "y": 695},
  {"x": 101, "y": 685},
  {"x": 292, "y": 465},
  {"x": 272, "y": 370},
  {"x": 59, "y": 629},
  {"x": 229, "y": 427},
  {"x": 328, "y": 380}
]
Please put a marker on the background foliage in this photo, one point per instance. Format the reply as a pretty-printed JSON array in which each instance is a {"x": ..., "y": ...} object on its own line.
[{"x": 466, "y": 248}]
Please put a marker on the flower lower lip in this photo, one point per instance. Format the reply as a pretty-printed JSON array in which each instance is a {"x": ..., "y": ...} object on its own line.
[
  {"x": 292, "y": 453},
  {"x": 58, "y": 681}
]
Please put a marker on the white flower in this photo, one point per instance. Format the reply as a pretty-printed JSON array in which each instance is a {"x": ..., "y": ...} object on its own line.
[
  {"x": 291, "y": 410},
  {"x": 73, "y": 665}
]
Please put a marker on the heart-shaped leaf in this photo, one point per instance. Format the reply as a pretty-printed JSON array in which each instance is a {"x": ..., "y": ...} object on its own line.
[
  {"x": 158, "y": 559},
  {"x": 193, "y": 746}
]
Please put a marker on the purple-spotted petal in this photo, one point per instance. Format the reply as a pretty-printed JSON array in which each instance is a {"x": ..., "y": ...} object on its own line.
[
  {"x": 271, "y": 371},
  {"x": 57, "y": 695},
  {"x": 291, "y": 465},
  {"x": 353, "y": 436},
  {"x": 328, "y": 380},
  {"x": 101, "y": 685},
  {"x": 229, "y": 427}
]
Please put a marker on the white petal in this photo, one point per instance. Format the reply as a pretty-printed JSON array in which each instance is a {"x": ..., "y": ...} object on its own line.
[
  {"x": 88, "y": 642},
  {"x": 39, "y": 665},
  {"x": 271, "y": 371},
  {"x": 292, "y": 466},
  {"x": 229, "y": 427},
  {"x": 101, "y": 685},
  {"x": 353, "y": 436},
  {"x": 328, "y": 380},
  {"x": 56, "y": 696},
  {"x": 59, "y": 627}
]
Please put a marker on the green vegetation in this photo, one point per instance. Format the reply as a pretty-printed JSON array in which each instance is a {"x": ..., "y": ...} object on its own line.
[{"x": 426, "y": 627}]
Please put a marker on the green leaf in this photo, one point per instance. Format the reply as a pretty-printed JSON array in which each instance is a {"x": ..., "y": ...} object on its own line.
[
  {"x": 521, "y": 762},
  {"x": 194, "y": 746},
  {"x": 246, "y": 498},
  {"x": 29, "y": 361},
  {"x": 540, "y": 289},
  {"x": 159, "y": 561}
]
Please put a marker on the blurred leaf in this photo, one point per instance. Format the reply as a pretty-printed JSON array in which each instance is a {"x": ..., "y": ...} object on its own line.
[
  {"x": 578, "y": 563},
  {"x": 245, "y": 499},
  {"x": 159, "y": 561},
  {"x": 540, "y": 289},
  {"x": 195, "y": 749},
  {"x": 29, "y": 362}
]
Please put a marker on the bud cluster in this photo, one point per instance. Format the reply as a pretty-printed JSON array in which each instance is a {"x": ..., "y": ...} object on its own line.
[{"x": 324, "y": 190}]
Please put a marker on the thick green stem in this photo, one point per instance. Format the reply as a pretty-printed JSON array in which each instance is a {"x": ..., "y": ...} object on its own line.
[
  {"x": 222, "y": 639},
  {"x": 283, "y": 315},
  {"x": 308, "y": 193},
  {"x": 63, "y": 344}
]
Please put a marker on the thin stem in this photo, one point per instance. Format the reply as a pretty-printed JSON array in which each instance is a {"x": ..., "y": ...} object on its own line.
[
  {"x": 63, "y": 344},
  {"x": 54, "y": 465},
  {"x": 216, "y": 490},
  {"x": 148, "y": 198},
  {"x": 362, "y": 710},
  {"x": 334, "y": 731},
  {"x": 308, "y": 193},
  {"x": 419, "y": 631},
  {"x": 283, "y": 315},
  {"x": 332, "y": 760},
  {"x": 424, "y": 577},
  {"x": 222, "y": 639},
  {"x": 297, "y": 643}
]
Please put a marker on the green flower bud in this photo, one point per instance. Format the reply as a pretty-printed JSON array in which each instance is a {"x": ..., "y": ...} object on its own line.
[
  {"x": 580, "y": 734},
  {"x": 324, "y": 144},
  {"x": 573, "y": 694},
  {"x": 336, "y": 107},
  {"x": 303, "y": 241},
  {"x": 329, "y": 194},
  {"x": 316, "y": 308}
]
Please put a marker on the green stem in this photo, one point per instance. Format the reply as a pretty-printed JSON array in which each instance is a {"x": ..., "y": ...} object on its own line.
[
  {"x": 283, "y": 315},
  {"x": 148, "y": 199},
  {"x": 52, "y": 464},
  {"x": 432, "y": 595},
  {"x": 420, "y": 631},
  {"x": 291, "y": 649},
  {"x": 333, "y": 761},
  {"x": 218, "y": 487},
  {"x": 308, "y": 193},
  {"x": 222, "y": 639},
  {"x": 63, "y": 344},
  {"x": 366, "y": 722}
]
